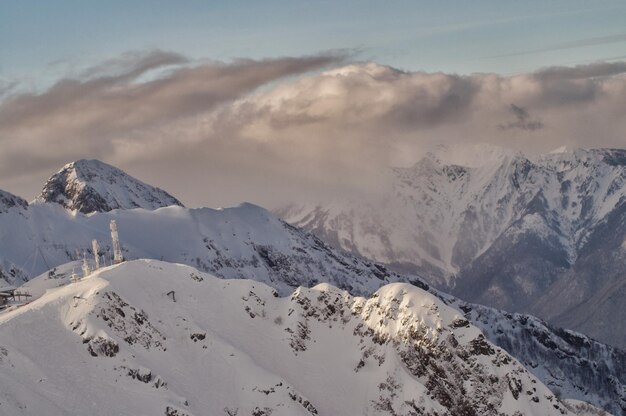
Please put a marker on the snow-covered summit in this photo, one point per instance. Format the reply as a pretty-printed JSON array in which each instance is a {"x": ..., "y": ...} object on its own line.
[
  {"x": 9, "y": 201},
  {"x": 94, "y": 186},
  {"x": 559, "y": 150},
  {"x": 168, "y": 339},
  {"x": 472, "y": 155}
]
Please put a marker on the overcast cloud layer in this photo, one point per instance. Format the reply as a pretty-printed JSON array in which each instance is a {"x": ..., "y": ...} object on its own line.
[{"x": 280, "y": 130}]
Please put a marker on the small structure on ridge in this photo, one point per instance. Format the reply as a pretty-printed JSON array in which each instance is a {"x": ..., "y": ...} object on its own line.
[
  {"x": 117, "y": 251},
  {"x": 96, "y": 252}
]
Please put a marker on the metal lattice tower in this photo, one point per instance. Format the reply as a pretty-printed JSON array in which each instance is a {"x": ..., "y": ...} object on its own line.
[{"x": 117, "y": 251}]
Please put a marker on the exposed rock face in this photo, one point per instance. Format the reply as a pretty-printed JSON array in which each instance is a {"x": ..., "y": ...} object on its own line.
[
  {"x": 9, "y": 201},
  {"x": 544, "y": 235},
  {"x": 13, "y": 205},
  {"x": 93, "y": 186},
  {"x": 569, "y": 363}
]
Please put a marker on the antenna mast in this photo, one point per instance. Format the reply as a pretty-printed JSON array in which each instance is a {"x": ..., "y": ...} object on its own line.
[
  {"x": 74, "y": 276},
  {"x": 117, "y": 251},
  {"x": 96, "y": 252},
  {"x": 86, "y": 271}
]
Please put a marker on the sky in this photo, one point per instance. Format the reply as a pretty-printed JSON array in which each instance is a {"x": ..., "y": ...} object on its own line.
[
  {"x": 221, "y": 102},
  {"x": 42, "y": 39}
]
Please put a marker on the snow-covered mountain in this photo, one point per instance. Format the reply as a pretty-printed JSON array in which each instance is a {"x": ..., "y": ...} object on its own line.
[
  {"x": 9, "y": 201},
  {"x": 93, "y": 186},
  {"x": 499, "y": 228},
  {"x": 569, "y": 363},
  {"x": 168, "y": 339},
  {"x": 249, "y": 242},
  {"x": 572, "y": 365},
  {"x": 245, "y": 242}
]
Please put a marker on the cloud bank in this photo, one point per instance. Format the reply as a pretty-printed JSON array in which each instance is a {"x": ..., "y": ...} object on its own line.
[{"x": 279, "y": 130}]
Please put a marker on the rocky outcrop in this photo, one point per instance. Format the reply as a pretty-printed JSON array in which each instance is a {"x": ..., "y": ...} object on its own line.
[
  {"x": 92, "y": 186},
  {"x": 9, "y": 201},
  {"x": 544, "y": 235}
]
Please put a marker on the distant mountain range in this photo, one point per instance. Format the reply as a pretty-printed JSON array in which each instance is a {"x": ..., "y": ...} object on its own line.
[
  {"x": 544, "y": 235},
  {"x": 49, "y": 236}
]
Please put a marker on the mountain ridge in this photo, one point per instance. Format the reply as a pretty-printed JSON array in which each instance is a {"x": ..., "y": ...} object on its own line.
[
  {"x": 501, "y": 233},
  {"x": 400, "y": 352},
  {"x": 91, "y": 186},
  {"x": 249, "y": 242},
  {"x": 9, "y": 201}
]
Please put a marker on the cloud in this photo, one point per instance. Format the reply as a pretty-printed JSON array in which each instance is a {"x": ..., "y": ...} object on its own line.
[
  {"x": 579, "y": 43},
  {"x": 523, "y": 121},
  {"x": 96, "y": 113},
  {"x": 7, "y": 87},
  {"x": 134, "y": 63},
  {"x": 272, "y": 131},
  {"x": 594, "y": 70}
]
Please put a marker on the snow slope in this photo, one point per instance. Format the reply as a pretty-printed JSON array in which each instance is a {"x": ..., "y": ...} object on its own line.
[
  {"x": 571, "y": 364},
  {"x": 93, "y": 186},
  {"x": 233, "y": 347},
  {"x": 498, "y": 228},
  {"x": 249, "y": 242},
  {"x": 241, "y": 242}
]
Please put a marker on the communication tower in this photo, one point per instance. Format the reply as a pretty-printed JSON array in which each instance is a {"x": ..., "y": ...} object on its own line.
[
  {"x": 117, "y": 251},
  {"x": 96, "y": 250}
]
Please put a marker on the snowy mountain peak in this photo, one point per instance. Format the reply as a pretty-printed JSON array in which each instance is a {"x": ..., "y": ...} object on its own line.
[
  {"x": 8, "y": 201},
  {"x": 236, "y": 348},
  {"x": 559, "y": 150},
  {"x": 247, "y": 242},
  {"x": 94, "y": 186},
  {"x": 473, "y": 155},
  {"x": 499, "y": 228}
]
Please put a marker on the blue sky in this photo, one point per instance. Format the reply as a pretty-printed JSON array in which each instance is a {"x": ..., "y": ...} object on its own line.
[
  {"x": 300, "y": 129},
  {"x": 42, "y": 40}
]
